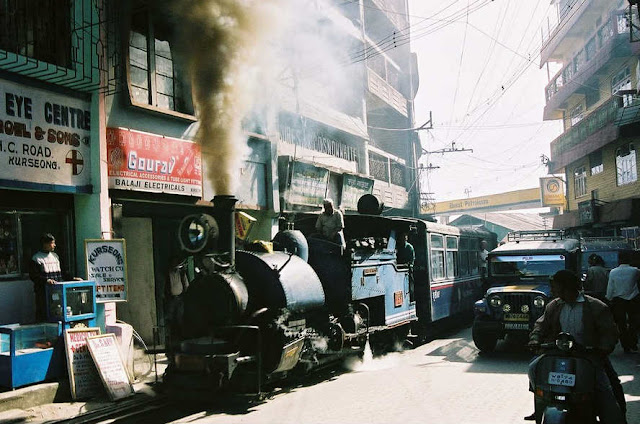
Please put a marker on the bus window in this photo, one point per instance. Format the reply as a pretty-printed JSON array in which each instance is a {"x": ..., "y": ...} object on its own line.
[
  {"x": 437, "y": 257},
  {"x": 452, "y": 257},
  {"x": 463, "y": 256},
  {"x": 474, "y": 255}
]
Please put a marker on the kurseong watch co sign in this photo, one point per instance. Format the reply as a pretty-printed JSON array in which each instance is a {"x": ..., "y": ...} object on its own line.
[
  {"x": 107, "y": 265},
  {"x": 45, "y": 140}
]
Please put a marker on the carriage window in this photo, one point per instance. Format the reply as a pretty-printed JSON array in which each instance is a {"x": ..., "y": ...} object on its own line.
[
  {"x": 437, "y": 257},
  {"x": 452, "y": 257},
  {"x": 474, "y": 255},
  {"x": 463, "y": 257}
]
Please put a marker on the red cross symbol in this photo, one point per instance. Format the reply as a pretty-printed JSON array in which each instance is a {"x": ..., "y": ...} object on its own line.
[{"x": 75, "y": 159}]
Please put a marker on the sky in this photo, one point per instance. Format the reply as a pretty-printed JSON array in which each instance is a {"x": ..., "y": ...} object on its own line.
[{"x": 481, "y": 80}]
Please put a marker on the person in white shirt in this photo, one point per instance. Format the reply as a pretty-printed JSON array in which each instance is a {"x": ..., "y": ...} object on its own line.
[
  {"x": 624, "y": 295},
  {"x": 330, "y": 223}
]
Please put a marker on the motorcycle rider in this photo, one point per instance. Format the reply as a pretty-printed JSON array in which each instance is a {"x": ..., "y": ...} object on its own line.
[{"x": 591, "y": 323}]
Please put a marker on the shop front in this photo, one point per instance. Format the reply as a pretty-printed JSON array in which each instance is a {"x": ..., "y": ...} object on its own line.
[{"x": 45, "y": 174}]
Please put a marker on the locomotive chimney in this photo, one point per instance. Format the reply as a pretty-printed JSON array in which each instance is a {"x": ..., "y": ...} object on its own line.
[{"x": 224, "y": 212}]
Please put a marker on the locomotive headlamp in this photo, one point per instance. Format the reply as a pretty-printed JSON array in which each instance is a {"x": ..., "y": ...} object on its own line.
[
  {"x": 539, "y": 302},
  {"x": 506, "y": 307},
  {"x": 495, "y": 301},
  {"x": 524, "y": 309}
]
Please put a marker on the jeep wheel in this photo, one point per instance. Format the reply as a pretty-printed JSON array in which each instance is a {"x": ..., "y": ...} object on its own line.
[{"x": 483, "y": 341}]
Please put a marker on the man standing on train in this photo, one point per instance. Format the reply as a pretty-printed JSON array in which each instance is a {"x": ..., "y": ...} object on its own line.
[
  {"x": 406, "y": 255},
  {"x": 330, "y": 224}
]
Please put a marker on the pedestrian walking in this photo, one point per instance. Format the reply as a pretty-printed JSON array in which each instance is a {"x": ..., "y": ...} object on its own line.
[
  {"x": 597, "y": 278},
  {"x": 624, "y": 295}
]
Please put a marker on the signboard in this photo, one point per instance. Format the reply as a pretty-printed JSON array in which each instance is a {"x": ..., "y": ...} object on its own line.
[
  {"x": 108, "y": 360},
  {"x": 353, "y": 188},
  {"x": 83, "y": 375},
  {"x": 587, "y": 212},
  {"x": 148, "y": 162},
  {"x": 45, "y": 140},
  {"x": 106, "y": 262},
  {"x": 518, "y": 199},
  {"x": 308, "y": 184},
  {"x": 551, "y": 191}
]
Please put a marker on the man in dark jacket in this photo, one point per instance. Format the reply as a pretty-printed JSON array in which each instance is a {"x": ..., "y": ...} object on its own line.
[{"x": 591, "y": 323}]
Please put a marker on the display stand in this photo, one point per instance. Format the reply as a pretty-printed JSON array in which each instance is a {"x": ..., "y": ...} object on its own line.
[
  {"x": 30, "y": 354},
  {"x": 73, "y": 303}
]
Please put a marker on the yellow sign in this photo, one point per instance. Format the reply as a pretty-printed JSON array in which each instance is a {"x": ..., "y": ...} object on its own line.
[
  {"x": 529, "y": 196},
  {"x": 244, "y": 221},
  {"x": 551, "y": 191}
]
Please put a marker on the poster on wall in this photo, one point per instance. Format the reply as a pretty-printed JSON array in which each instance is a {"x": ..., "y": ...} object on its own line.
[
  {"x": 107, "y": 265},
  {"x": 551, "y": 191},
  {"x": 153, "y": 163},
  {"x": 353, "y": 188},
  {"x": 45, "y": 140},
  {"x": 308, "y": 184}
]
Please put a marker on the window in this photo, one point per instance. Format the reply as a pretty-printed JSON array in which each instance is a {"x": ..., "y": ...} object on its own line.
[
  {"x": 579, "y": 61},
  {"x": 623, "y": 24},
  {"x": 463, "y": 257},
  {"x": 452, "y": 257},
  {"x": 592, "y": 96},
  {"x": 595, "y": 161},
  {"x": 474, "y": 256},
  {"x": 437, "y": 257},
  {"x": 590, "y": 48},
  {"x": 397, "y": 174},
  {"x": 37, "y": 29},
  {"x": 577, "y": 113},
  {"x": 580, "y": 181},
  {"x": 154, "y": 78},
  {"x": 626, "y": 171},
  {"x": 378, "y": 167},
  {"x": 20, "y": 233}
]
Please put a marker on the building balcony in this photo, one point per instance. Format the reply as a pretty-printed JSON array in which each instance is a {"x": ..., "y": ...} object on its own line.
[
  {"x": 581, "y": 73},
  {"x": 394, "y": 11},
  {"x": 572, "y": 26},
  {"x": 596, "y": 130},
  {"x": 384, "y": 91}
]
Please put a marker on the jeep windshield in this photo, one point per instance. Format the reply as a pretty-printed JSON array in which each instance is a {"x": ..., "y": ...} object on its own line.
[{"x": 530, "y": 266}]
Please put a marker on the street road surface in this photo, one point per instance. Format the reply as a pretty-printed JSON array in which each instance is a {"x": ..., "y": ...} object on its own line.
[{"x": 443, "y": 382}]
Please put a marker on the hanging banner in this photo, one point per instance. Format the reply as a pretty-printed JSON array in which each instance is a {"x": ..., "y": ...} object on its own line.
[
  {"x": 551, "y": 192},
  {"x": 353, "y": 188},
  {"x": 107, "y": 265},
  {"x": 148, "y": 162},
  {"x": 45, "y": 140},
  {"x": 308, "y": 184}
]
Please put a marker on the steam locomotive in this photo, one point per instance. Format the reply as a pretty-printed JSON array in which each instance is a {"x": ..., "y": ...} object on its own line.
[{"x": 254, "y": 316}]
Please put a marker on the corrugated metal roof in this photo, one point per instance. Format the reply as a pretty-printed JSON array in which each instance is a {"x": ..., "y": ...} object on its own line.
[{"x": 510, "y": 221}]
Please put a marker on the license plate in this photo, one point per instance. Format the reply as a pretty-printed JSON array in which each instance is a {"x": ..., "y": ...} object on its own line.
[
  {"x": 562, "y": 379},
  {"x": 515, "y": 326},
  {"x": 516, "y": 317}
]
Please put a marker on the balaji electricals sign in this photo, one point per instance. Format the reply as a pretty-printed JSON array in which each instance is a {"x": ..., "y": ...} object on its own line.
[
  {"x": 149, "y": 162},
  {"x": 45, "y": 141}
]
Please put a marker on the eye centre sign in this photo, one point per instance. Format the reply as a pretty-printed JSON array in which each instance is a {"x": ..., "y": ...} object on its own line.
[{"x": 106, "y": 262}]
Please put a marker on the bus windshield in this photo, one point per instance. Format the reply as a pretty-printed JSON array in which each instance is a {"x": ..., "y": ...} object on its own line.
[{"x": 526, "y": 266}]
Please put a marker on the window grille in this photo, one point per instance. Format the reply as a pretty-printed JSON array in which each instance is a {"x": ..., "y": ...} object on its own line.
[{"x": 580, "y": 181}]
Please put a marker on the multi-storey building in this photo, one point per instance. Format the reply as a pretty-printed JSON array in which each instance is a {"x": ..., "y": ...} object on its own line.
[
  {"x": 99, "y": 123},
  {"x": 595, "y": 95}
]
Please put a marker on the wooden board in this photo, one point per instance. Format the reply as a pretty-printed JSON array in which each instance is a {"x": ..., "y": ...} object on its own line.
[
  {"x": 83, "y": 375},
  {"x": 108, "y": 360}
]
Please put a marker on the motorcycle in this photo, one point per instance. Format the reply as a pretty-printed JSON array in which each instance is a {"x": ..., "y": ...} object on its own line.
[{"x": 564, "y": 382}]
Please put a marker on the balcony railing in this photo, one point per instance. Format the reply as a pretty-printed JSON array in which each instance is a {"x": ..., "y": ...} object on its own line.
[
  {"x": 584, "y": 60},
  {"x": 384, "y": 90},
  {"x": 595, "y": 121}
]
